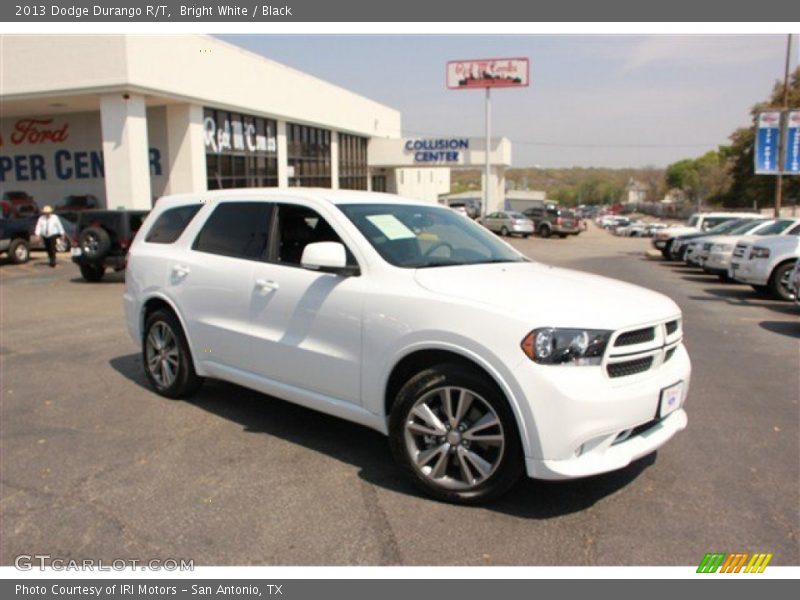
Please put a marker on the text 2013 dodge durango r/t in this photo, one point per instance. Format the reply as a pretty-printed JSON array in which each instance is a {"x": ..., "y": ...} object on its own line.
[{"x": 478, "y": 363}]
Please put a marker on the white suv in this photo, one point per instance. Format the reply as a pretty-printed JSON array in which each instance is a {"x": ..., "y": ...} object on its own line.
[
  {"x": 766, "y": 264},
  {"x": 408, "y": 318}
]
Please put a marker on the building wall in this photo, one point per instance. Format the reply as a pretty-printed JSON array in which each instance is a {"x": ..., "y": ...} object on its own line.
[
  {"x": 53, "y": 156},
  {"x": 420, "y": 184}
]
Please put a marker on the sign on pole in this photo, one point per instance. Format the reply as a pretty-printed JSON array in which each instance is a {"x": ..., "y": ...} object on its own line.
[
  {"x": 791, "y": 161},
  {"x": 768, "y": 134},
  {"x": 487, "y": 73}
]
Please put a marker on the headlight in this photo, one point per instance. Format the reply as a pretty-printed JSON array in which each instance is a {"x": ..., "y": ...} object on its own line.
[
  {"x": 580, "y": 347},
  {"x": 759, "y": 252}
]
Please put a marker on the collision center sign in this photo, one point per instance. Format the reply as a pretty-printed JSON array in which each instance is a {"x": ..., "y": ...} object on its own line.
[{"x": 487, "y": 73}]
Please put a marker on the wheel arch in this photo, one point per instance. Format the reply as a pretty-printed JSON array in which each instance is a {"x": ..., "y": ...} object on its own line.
[
  {"x": 420, "y": 358},
  {"x": 156, "y": 302}
]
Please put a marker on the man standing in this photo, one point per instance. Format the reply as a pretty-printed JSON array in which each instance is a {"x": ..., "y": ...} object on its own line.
[{"x": 49, "y": 227}]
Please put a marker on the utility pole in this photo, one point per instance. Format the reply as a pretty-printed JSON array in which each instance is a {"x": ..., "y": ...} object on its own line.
[
  {"x": 782, "y": 134},
  {"x": 486, "y": 168}
]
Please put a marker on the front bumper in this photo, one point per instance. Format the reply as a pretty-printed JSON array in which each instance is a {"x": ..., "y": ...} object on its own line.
[
  {"x": 579, "y": 416},
  {"x": 717, "y": 263},
  {"x": 754, "y": 272}
]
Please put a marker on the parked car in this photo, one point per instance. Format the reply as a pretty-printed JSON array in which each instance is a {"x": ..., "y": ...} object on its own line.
[
  {"x": 75, "y": 202},
  {"x": 550, "y": 219},
  {"x": 718, "y": 250},
  {"x": 699, "y": 247},
  {"x": 794, "y": 282},
  {"x": 508, "y": 222},
  {"x": 632, "y": 229},
  {"x": 15, "y": 238},
  {"x": 402, "y": 316},
  {"x": 654, "y": 228},
  {"x": 102, "y": 240},
  {"x": 18, "y": 205},
  {"x": 698, "y": 222},
  {"x": 680, "y": 243},
  {"x": 766, "y": 264},
  {"x": 611, "y": 222},
  {"x": 470, "y": 206}
]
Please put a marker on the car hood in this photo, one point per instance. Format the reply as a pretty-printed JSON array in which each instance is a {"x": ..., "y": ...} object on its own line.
[{"x": 543, "y": 295}]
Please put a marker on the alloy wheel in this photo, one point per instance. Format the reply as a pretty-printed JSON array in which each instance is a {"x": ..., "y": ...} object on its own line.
[
  {"x": 161, "y": 351},
  {"x": 454, "y": 438}
]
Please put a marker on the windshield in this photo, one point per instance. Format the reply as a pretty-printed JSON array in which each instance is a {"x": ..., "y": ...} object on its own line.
[
  {"x": 420, "y": 236},
  {"x": 774, "y": 228},
  {"x": 745, "y": 226},
  {"x": 729, "y": 226}
]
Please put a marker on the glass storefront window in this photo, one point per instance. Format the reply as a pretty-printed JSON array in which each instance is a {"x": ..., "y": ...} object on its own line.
[
  {"x": 241, "y": 150},
  {"x": 309, "y": 156},
  {"x": 353, "y": 168}
]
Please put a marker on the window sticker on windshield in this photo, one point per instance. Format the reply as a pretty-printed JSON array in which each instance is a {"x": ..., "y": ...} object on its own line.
[{"x": 391, "y": 227}]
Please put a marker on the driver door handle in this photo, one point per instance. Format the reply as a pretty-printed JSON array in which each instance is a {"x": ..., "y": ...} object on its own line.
[{"x": 266, "y": 285}]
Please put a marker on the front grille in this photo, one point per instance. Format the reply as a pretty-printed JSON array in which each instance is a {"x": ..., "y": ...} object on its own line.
[
  {"x": 629, "y": 367},
  {"x": 639, "y": 336},
  {"x": 707, "y": 246},
  {"x": 669, "y": 354},
  {"x": 672, "y": 327}
]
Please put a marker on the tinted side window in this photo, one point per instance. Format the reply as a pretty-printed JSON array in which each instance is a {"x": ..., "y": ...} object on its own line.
[
  {"x": 795, "y": 230},
  {"x": 237, "y": 229},
  {"x": 298, "y": 226},
  {"x": 170, "y": 224}
]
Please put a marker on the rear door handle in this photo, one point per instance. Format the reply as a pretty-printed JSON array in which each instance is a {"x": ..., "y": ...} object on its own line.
[{"x": 266, "y": 285}]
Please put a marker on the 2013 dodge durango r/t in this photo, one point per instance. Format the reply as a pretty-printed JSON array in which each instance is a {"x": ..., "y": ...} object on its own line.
[{"x": 478, "y": 363}]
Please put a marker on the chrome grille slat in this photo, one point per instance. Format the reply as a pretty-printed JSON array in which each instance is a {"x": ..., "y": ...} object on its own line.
[
  {"x": 639, "y": 336},
  {"x": 630, "y": 367},
  {"x": 639, "y": 350}
]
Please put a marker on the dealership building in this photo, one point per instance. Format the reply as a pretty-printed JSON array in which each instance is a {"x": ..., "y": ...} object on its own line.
[{"x": 129, "y": 118}]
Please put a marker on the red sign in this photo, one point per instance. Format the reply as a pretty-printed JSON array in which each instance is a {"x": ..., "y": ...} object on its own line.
[
  {"x": 37, "y": 131},
  {"x": 487, "y": 73}
]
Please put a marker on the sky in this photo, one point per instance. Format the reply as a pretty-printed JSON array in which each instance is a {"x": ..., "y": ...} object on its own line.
[{"x": 594, "y": 100}]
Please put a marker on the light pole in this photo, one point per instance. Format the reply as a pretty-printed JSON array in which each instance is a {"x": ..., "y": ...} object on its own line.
[{"x": 782, "y": 130}]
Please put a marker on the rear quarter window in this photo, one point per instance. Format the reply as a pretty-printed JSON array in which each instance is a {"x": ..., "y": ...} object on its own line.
[{"x": 170, "y": 224}]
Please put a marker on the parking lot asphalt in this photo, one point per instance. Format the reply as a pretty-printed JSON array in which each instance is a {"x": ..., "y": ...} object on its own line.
[{"x": 95, "y": 465}]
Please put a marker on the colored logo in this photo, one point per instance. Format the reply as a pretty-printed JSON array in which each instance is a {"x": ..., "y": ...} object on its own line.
[{"x": 734, "y": 563}]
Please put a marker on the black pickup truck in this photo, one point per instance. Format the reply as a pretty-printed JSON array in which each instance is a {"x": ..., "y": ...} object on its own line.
[{"x": 15, "y": 239}]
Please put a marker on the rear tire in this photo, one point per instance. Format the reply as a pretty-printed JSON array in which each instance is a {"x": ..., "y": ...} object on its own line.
[
  {"x": 666, "y": 250},
  {"x": 441, "y": 452},
  {"x": 545, "y": 231},
  {"x": 92, "y": 273},
  {"x": 166, "y": 357},
  {"x": 562, "y": 235},
  {"x": 18, "y": 251},
  {"x": 504, "y": 231}
]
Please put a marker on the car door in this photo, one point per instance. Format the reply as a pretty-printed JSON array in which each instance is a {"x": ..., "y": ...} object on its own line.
[
  {"x": 212, "y": 280},
  {"x": 306, "y": 325}
]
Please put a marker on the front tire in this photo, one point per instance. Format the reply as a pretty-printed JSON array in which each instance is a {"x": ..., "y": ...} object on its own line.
[
  {"x": 544, "y": 231},
  {"x": 167, "y": 360},
  {"x": 504, "y": 231},
  {"x": 453, "y": 433},
  {"x": 779, "y": 282},
  {"x": 19, "y": 251}
]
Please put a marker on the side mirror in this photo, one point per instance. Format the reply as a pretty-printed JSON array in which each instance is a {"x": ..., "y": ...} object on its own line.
[{"x": 328, "y": 257}]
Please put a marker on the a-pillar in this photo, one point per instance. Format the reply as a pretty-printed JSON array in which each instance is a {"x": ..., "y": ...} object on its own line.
[
  {"x": 126, "y": 160},
  {"x": 185, "y": 149}
]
